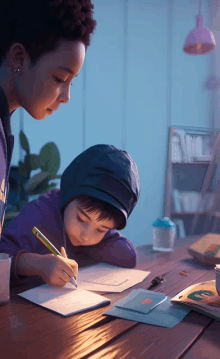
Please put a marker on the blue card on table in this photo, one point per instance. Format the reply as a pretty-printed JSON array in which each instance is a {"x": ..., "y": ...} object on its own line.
[
  {"x": 148, "y": 307},
  {"x": 141, "y": 300}
]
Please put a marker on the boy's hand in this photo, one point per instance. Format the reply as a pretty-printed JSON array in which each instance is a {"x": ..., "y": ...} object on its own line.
[{"x": 56, "y": 270}]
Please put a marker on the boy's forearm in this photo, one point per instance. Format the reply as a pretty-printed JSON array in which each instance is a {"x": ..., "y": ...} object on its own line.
[{"x": 28, "y": 264}]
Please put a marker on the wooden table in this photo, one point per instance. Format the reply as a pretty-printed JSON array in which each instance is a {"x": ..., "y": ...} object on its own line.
[{"x": 30, "y": 331}]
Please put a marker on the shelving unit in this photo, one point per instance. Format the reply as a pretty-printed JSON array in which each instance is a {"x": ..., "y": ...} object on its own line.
[{"x": 187, "y": 176}]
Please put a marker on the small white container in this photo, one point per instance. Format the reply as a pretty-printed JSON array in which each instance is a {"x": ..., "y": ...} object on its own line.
[
  {"x": 217, "y": 278},
  {"x": 163, "y": 235},
  {"x": 5, "y": 265}
]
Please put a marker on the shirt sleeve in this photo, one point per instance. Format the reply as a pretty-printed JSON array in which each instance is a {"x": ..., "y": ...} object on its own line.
[
  {"x": 113, "y": 249},
  {"x": 18, "y": 238}
]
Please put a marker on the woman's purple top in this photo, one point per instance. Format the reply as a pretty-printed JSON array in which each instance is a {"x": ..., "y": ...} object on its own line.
[{"x": 44, "y": 214}]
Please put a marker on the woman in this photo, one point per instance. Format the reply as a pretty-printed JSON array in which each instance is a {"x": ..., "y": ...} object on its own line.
[{"x": 43, "y": 47}]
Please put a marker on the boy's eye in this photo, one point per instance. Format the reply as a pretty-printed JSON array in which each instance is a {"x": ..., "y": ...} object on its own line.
[
  {"x": 79, "y": 219},
  {"x": 100, "y": 231}
]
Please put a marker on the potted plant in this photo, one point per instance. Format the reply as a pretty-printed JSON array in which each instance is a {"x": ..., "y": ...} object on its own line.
[{"x": 48, "y": 163}]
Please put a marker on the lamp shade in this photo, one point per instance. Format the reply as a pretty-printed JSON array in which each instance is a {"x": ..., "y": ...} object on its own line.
[{"x": 200, "y": 40}]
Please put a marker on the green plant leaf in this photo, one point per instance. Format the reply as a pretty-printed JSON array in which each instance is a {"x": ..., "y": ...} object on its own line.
[
  {"x": 52, "y": 184},
  {"x": 50, "y": 159},
  {"x": 34, "y": 162},
  {"x": 48, "y": 188},
  {"x": 43, "y": 187},
  {"x": 24, "y": 142},
  {"x": 22, "y": 169},
  {"x": 34, "y": 181}
]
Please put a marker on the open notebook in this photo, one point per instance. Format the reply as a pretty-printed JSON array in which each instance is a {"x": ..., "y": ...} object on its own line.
[
  {"x": 64, "y": 300},
  {"x": 100, "y": 277}
]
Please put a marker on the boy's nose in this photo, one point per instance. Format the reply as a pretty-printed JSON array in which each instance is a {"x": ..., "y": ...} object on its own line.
[{"x": 84, "y": 237}]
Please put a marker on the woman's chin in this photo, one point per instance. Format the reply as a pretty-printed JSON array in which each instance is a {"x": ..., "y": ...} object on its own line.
[{"x": 38, "y": 115}]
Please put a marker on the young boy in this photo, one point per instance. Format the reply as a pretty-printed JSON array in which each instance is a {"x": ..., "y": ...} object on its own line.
[
  {"x": 43, "y": 47},
  {"x": 98, "y": 192}
]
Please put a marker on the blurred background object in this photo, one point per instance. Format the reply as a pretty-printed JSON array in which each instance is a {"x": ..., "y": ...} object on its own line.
[{"x": 200, "y": 40}]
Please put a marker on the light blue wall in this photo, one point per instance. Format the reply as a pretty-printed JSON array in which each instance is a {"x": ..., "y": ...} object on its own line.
[
  {"x": 136, "y": 81},
  {"x": 190, "y": 100}
]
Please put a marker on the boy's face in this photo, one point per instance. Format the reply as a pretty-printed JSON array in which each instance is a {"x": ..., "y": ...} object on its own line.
[
  {"x": 83, "y": 228},
  {"x": 41, "y": 89}
]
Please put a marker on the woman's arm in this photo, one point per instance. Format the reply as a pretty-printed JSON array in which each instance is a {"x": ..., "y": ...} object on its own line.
[
  {"x": 17, "y": 237},
  {"x": 113, "y": 249}
]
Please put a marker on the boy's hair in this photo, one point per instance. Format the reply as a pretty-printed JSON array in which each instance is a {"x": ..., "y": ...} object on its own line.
[
  {"x": 105, "y": 210},
  {"x": 39, "y": 25}
]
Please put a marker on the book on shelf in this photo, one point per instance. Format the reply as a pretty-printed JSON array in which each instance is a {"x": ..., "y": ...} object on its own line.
[
  {"x": 176, "y": 201},
  {"x": 188, "y": 148},
  {"x": 180, "y": 228},
  {"x": 176, "y": 155},
  {"x": 181, "y": 134},
  {"x": 188, "y": 201}
]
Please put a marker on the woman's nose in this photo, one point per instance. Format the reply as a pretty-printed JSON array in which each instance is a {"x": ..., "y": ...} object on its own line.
[{"x": 65, "y": 95}]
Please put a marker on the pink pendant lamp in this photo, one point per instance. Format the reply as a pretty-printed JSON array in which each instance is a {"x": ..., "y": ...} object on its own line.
[{"x": 200, "y": 40}]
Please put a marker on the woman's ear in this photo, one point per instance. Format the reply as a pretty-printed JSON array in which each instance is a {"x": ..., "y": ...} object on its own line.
[{"x": 17, "y": 54}]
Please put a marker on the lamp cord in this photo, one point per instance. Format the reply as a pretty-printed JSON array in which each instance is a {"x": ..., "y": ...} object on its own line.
[{"x": 199, "y": 7}]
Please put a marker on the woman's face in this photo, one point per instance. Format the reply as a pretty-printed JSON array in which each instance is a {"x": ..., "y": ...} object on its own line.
[
  {"x": 83, "y": 228},
  {"x": 42, "y": 88}
]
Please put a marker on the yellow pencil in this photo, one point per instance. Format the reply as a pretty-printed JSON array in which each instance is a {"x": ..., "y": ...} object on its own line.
[{"x": 51, "y": 247}]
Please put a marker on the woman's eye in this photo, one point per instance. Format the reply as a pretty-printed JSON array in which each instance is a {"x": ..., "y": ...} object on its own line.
[{"x": 58, "y": 80}]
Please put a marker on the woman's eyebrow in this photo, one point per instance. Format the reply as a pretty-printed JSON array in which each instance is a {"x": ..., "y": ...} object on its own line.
[{"x": 67, "y": 69}]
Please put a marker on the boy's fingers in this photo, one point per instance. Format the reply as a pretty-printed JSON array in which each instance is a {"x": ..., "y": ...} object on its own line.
[
  {"x": 70, "y": 270},
  {"x": 63, "y": 277},
  {"x": 63, "y": 252},
  {"x": 73, "y": 265}
]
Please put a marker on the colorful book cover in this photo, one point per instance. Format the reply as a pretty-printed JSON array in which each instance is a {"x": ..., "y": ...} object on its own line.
[{"x": 201, "y": 297}]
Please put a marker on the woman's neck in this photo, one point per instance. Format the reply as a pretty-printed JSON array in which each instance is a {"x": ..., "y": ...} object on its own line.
[{"x": 8, "y": 86}]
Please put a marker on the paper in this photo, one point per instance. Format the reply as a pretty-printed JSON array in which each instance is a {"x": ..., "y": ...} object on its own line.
[
  {"x": 108, "y": 278},
  {"x": 163, "y": 314},
  {"x": 141, "y": 300},
  {"x": 64, "y": 300}
]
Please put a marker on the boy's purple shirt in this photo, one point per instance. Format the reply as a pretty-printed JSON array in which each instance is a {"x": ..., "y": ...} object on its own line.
[{"x": 44, "y": 214}]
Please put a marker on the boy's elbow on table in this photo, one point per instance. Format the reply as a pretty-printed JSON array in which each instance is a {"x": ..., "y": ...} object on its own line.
[{"x": 130, "y": 261}]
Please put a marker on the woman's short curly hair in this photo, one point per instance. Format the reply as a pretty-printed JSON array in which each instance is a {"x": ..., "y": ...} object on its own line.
[{"x": 40, "y": 24}]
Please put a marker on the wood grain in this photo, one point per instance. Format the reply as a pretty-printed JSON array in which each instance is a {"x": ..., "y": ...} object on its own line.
[
  {"x": 30, "y": 331},
  {"x": 208, "y": 344}
]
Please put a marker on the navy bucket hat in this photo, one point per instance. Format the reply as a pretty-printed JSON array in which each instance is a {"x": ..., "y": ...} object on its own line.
[{"x": 104, "y": 172}]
